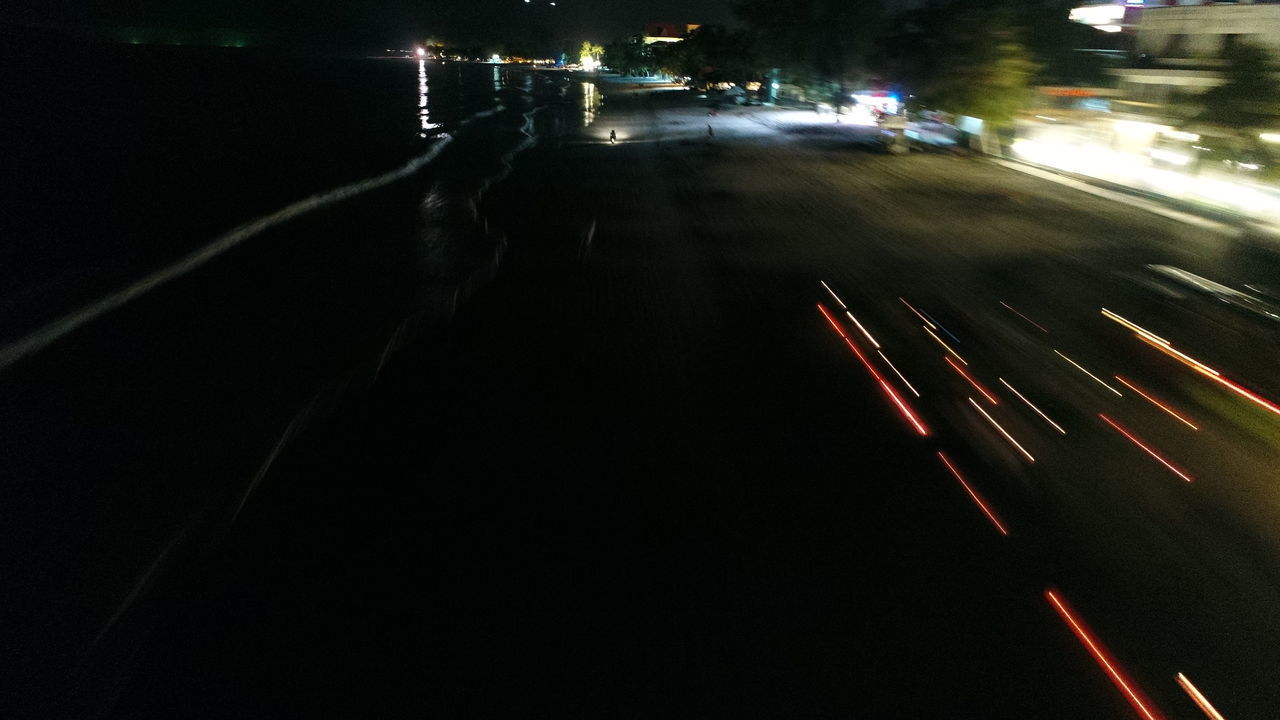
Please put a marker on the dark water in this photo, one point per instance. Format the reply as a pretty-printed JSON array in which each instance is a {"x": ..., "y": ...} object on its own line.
[
  {"x": 119, "y": 157},
  {"x": 129, "y": 443}
]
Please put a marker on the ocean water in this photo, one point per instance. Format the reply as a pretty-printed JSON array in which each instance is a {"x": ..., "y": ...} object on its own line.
[
  {"x": 120, "y": 157},
  {"x": 202, "y": 251}
]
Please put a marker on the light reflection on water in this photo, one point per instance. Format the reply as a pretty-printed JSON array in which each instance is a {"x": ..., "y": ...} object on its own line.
[
  {"x": 424, "y": 113},
  {"x": 590, "y": 103}
]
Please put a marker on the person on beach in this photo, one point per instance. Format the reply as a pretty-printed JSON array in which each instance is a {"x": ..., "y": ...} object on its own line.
[{"x": 613, "y": 136}]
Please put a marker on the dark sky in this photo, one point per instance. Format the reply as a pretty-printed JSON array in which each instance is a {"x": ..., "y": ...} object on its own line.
[{"x": 374, "y": 22}]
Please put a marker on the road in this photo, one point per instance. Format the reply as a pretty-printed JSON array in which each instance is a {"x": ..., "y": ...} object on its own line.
[{"x": 769, "y": 424}]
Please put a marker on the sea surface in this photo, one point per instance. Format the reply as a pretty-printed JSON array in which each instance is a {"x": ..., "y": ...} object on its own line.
[
  {"x": 120, "y": 157},
  {"x": 202, "y": 251}
]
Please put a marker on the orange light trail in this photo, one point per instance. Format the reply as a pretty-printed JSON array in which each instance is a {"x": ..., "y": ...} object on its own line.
[
  {"x": 992, "y": 398},
  {"x": 834, "y": 295},
  {"x": 1024, "y": 317},
  {"x": 974, "y": 495},
  {"x": 1125, "y": 685},
  {"x": 1148, "y": 450},
  {"x": 1134, "y": 327},
  {"x": 893, "y": 394},
  {"x": 1157, "y": 403},
  {"x": 1001, "y": 430},
  {"x": 948, "y": 347},
  {"x": 923, "y": 319},
  {"x": 864, "y": 330},
  {"x": 1086, "y": 372},
  {"x": 1212, "y": 374},
  {"x": 1199, "y": 699},
  {"x": 1055, "y": 425},
  {"x": 900, "y": 375}
]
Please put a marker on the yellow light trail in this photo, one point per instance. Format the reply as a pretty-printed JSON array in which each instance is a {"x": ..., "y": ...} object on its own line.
[
  {"x": 1157, "y": 403},
  {"x": 900, "y": 375},
  {"x": 1055, "y": 425},
  {"x": 1199, "y": 699},
  {"x": 1086, "y": 372},
  {"x": 1002, "y": 431},
  {"x": 864, "y": 330},
  {"x": 954, "y": 354},
  {"x": 923, "y": 319},
  {"x": 1164, "y": 346}
]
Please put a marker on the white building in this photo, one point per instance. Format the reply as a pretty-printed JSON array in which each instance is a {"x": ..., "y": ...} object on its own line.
[{"x": 1179, "y": 48}]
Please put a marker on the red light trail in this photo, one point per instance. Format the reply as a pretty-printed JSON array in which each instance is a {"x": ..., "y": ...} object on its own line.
[
  {"x": 1024, "y": 317},
  {"x": 893, "y": 394},
  {"x": 1167, "y": 348},
  {"x": 1125, "y": 685},
  {"x": 974, "y": 383},
  {"x": 1157, "y": 403},
  {"x": 977, "y": 499},
  {"x": 1149, "y": 451}
]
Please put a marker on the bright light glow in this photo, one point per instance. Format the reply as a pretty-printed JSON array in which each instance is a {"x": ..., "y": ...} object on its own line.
[
  {"x": 1110, "y": 28},
  {"x": 1097, "y": 14},
  {"x": 1270, "y": 137},
  {"x": 1137, "y": 128},
  {"x": 861, "y": 115},
  {"x": 946, "y": 346},
  {"x": 422, "y": 52},
  {"x": 1002, "y": 431},
  {"x": 864, "y": 330},
  {"x": 917, "y": 312},
  {"x": 589, "y": 63},
  {"x": 1181, "y": 135},
  {"x": 1144, "y": 446},
  {"x": 1170, "y": 156},
  {"x": 893, "y": 394},
  {"x": 1125, "y": 685},
  {"x": 494, "y": 58},
  {"x": 1024, "y": 317},
  {"x": 1156, "y": 402},
  {"x": 1055, "y": 425},
  {"x": 974, "y": 495},
  {"x": 900, "y": 375},
  {"x": 1199, "y": 699},
  {"x": 775, "y": 86},
  {"x": 990, "y": 398},
  {"x": 1086, "y": 372},
  {"x": 834, "y": 295}
]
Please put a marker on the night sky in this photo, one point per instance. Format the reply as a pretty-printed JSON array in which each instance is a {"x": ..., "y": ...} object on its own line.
[{"x": 374, "y": 22}]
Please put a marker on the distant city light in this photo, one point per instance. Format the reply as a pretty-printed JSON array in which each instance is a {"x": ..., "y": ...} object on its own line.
[
  {"x": 422, "y": 52},
  {"x": 1270, "y": 137}
]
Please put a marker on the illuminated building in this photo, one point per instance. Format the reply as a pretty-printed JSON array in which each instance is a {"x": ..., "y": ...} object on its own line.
[
  {"x": 661, "y": 32},
  {"x": 1180, "y": 48}
]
